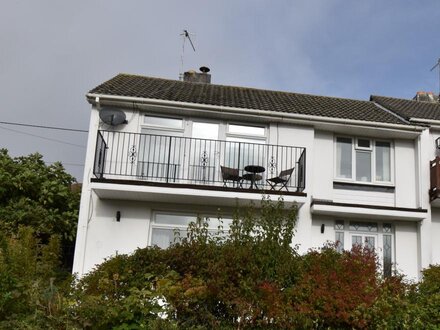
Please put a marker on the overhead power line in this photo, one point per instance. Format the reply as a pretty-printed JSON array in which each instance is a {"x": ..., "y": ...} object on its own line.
[
  {"x": 45, "y": 138},
  {"x": 45, "y": 127}
]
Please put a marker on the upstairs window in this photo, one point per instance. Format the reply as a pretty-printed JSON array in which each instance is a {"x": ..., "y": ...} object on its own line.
[
  {"x": 163, "y": 122},
  {"x": 363, "y": 160}
]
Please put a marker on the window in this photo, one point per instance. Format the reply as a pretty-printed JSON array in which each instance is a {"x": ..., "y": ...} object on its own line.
[
  {"x": 245, "y": 145},
  {"x": 246, "y": 130},
  {"x": 159, "y": 156},
  {"x": 343, "y": 157},
  {"x": 163, "y": 122},
  {"x": 363, "y": 160},
  {"x": 339, "y": 235},
  {"x": 167, "y": 228},
  {"x": 375, "y": 236},
  {"x": 203, "y": 151}
]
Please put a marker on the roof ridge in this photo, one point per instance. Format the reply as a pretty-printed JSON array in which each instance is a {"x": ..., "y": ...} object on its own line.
[{"x": 244, "y": 88}]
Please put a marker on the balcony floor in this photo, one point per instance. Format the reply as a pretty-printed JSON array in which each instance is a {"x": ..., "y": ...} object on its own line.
[{"x": 187, "y": 193}]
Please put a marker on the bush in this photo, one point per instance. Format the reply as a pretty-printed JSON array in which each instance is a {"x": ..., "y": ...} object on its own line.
[
  {"x": 252, "y": 278},
  {"x": 38, "y": 196},
  {"x": 30, "y": 281}
]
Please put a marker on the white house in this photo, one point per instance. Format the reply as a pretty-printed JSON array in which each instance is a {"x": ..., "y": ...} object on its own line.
[{"x": 359, "y": 171}]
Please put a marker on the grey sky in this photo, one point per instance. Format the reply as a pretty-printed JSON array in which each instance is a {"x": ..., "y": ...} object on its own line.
[{"x": 53, "y": 52}]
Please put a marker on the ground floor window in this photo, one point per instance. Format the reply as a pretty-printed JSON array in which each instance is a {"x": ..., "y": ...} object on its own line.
[
  {"x": 376, "y": 236},
  {"x": 169, "y": 227}
]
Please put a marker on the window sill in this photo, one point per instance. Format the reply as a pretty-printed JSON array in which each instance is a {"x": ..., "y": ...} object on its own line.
[{"x": 365, "y": 186}]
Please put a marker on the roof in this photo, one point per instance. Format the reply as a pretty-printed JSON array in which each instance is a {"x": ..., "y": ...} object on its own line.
[
  {"x": 409, "y": 108},
  {"x": 241, "y": 97}
]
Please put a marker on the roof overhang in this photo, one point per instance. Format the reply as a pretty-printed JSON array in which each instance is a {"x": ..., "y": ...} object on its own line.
[
  {"x": 378, "y": 212},
  {"x": 432, "y": 123},
  {"x": 195, "y": 109}
]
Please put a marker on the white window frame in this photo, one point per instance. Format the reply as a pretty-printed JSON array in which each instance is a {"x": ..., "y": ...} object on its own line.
[
  {"x": 144, "y": 125},
  {"x": 155, "y": 225},
  {"x": 372, "y": 150},
  {"x": 262, "y": 138},
  {"x": 379, "y": 234}
]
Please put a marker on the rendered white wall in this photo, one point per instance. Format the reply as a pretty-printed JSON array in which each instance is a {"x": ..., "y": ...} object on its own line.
[
  {"x": 106, "y": 237},
  {"x": 318, "y": 238},
  {"x": 301, "y": 136},
  {"x": 405, "y": 173},
  {"x": 435, "y": 235},
  {"x": 323, "y": 166},
  {"x": 406, "y": 248}
]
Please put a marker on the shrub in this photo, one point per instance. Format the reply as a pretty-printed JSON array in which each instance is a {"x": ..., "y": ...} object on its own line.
[{"x": 30, "y": 281}]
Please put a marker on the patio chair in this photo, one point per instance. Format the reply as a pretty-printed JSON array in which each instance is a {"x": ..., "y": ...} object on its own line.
[
  {"x": 231, "y": 174},
  {"x": 283, "y": 178}
]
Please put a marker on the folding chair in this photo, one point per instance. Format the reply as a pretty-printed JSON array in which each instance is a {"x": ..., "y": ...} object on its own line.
[
  {"x": 283, "y": 178},
  {"x": 231, "y": 174}
]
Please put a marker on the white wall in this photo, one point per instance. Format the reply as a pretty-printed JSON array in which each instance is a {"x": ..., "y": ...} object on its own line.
[
  {"x": 107, "y": 237},
  {"x": 300, "y": 136},
  {"x": 435, "y": 235},
  {"x": 405, "y": 173},
  {"x": 323, "y": 166},
  {"x": 406, "y": 248},
  {"x": 318, "y": 238}
]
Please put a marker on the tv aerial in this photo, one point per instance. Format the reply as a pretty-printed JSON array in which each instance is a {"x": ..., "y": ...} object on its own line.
[
  {"x": 185, "y": 35},
  {"x": 437, "y": 66},
  {"x": 112, "y": 116}
]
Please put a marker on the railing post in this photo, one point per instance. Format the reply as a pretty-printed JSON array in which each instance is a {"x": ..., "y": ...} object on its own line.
[
  {"x": 239, "y": 150},
  {"x": 169, "y": 159}
]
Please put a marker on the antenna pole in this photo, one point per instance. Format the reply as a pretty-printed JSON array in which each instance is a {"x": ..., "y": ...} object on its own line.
[
  {"x": 437, "y": 66},
  {"x": 184, "y": 35},
  {"x": 181, "y": 57}
]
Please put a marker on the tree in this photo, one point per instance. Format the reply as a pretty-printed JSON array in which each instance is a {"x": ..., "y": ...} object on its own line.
[{"x": 36, "y": 195}]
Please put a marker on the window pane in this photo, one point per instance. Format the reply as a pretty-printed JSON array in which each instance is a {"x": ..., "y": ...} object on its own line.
[
  {"x": 239, "y": 155},
  {"x": 363, "y": 166},
  {"x": 383, "y": 161},
  {"x": 163, "y": 122},
  {"x": 339, "y": 225},
  {"x": 370, "y": 242},
  {"x": 247, "y": 130},
  {"x": 184, "y": 220},
  {"x": 356, "y": 240},
  {"x": 339, "y": 238},
  {"x": 363, "y": 143},
  {"x": 205, "y": 131},
  {"x": 175, "y": 219},
  {"x": 387, "y": 228},
  {"x": 163, "y": 238},
  {"x": 387, "y": 255},
  {"x": 343, "y": 158},
  {"x": 363, "y": 226}
]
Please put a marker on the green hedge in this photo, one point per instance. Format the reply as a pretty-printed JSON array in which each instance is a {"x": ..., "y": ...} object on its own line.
[{"x": 252, "y": 278}]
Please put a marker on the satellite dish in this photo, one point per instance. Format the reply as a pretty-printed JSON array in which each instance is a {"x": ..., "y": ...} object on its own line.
[{"x": 113, "y": 117}]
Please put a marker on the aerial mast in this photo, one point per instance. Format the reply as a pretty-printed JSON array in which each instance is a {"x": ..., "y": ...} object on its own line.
[
  {"x": 185, "y": 35},
  {"x": 437, "y": 66}
]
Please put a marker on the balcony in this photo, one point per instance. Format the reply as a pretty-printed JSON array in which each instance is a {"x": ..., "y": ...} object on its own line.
[
  {"x": 434, "y": 191},
  {"x": 173, "y": 161}
]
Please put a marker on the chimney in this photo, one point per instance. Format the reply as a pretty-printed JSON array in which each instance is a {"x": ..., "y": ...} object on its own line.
[
  {"x": 202, "y": 77},
  {"x": 426, "y": 97}
]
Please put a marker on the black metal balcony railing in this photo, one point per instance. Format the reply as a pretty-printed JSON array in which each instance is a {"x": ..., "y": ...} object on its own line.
[{"x": 182, "y": 160}]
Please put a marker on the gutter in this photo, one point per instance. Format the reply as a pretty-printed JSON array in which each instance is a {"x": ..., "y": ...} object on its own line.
[
  {"x": 260, "y": 113},
  {"x": 431, "y": 122}
]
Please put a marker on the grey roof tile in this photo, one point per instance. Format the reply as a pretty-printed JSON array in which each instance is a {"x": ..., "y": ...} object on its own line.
[
  {"x": 241, "y": 97},
  {"x": 409, "y": 108}
]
